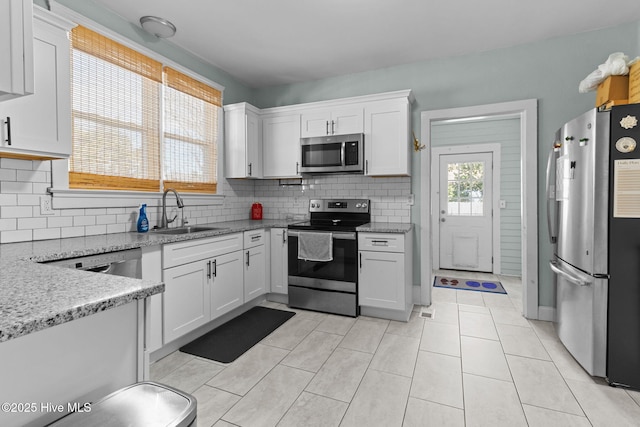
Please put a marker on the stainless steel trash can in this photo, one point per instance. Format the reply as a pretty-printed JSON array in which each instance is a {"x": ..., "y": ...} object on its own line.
[{"x": 142, "y": 404}]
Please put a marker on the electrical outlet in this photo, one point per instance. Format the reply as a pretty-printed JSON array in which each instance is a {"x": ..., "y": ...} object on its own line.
[
  {"x": 46, "y": 205},
  {"x": 411, "y": 200}
]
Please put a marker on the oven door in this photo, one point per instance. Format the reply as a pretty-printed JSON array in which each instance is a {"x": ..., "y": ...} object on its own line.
[
  {"x": 340, "y": 274},
  {"x": 319, "y": 157}
]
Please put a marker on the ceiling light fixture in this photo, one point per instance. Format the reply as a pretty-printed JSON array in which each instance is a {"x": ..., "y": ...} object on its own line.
[{"x": 157, "y": 26}]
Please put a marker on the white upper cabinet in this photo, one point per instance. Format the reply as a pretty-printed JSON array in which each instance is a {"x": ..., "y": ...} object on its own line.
[
  {"x": 386, "y": 138},
  {"x": 16, "y": 48},
  {"x": 243, "y": 142},
  {"x": 38, "y": 126},
  {"x": 281, "y": 146},
  {"x": 337, "y": 121}
]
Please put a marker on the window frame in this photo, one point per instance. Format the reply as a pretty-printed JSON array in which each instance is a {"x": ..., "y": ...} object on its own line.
[{"x": 66, "y": 198}]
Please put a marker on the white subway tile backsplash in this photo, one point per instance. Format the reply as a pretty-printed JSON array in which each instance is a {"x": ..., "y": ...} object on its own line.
[
  {"x": 31, "y": 223},
  {"x": 72, "y": 232},
  {"x": 16, "y": 187},
  {"x": 8, "y": 224},
  {"x": 84, "y": 220},
  {"x": 8, "y": 175},
  {"x": 15, "y": 211},
  {"x": 17, "y": 164},
  {"x": 93, "y": 230},
  {"x": 22, "y": 183},
  {"x": 8, "y": 199},
  {"x": 16, "y": 236},
  {"x": 59, "y": 221},
  {"x": 46, "y": 233}
]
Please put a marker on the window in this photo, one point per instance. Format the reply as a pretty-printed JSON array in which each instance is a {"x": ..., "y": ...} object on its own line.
[
  {"x": 139, "y": 125},
  {"x": 465, "y": 189}
]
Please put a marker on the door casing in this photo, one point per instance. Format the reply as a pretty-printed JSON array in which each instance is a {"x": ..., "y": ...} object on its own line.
[{"x": 527, "y": 111}]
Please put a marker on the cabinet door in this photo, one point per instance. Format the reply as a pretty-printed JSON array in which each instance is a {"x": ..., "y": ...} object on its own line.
[
  {"x": 254, "y": 272},
  {"x": 227, "y": 285},
  {"x": 40, "y": 124},
  {"x": 386, "y": 127},
  {"x": 279, "y": 261},
  {"x": 336, "y": 121},
  {"x": 242, "y": 144},
  {"x": 347, "y": 120},
  {"x": 185, "y": 299},
  {"x": 315, "y": 123},
  {"x": 381, "y": 281},
  {"x": 254, "y": 146},
  {"x": 281, "y": 146},
  {"x": 16, "y": 48}
]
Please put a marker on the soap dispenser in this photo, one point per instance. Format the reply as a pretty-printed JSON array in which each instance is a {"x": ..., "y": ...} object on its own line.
[{"x": 143, "y": 222}]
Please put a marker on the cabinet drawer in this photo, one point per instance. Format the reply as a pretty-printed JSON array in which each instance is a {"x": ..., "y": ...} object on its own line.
[
  {"x": 253, "y": 238},
  {"x": 381, "y": 242},
  {"x": 193, "y": 250}
]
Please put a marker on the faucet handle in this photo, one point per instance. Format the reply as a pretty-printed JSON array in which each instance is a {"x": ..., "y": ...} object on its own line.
[
  {"x": 185, "y": 221},
  {"x": 169, "y": 221}
]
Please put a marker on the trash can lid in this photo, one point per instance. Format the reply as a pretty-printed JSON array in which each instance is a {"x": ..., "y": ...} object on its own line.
[{"x": 141, "y": 404}]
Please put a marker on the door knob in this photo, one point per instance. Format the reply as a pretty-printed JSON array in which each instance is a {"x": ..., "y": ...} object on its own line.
[
  {"x": 443, "y": 211},
  {"x": 442, "y": 219}
]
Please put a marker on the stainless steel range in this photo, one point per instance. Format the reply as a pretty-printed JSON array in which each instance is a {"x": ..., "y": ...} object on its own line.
[{"x": 323, "y": 253}]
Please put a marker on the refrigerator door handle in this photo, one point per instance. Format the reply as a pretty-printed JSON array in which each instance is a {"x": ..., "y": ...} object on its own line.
[
  {"x": 555, "y": 267},
  {"x": 550, "y": 223}
]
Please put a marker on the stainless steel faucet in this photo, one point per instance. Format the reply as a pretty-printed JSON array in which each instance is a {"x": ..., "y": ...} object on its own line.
[{"x": 165, "y": 221}]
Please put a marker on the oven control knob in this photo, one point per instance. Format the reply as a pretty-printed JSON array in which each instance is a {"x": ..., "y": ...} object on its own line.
[
  {"x": 364, "y": 206},
  {"x": 358, "y": 205}
]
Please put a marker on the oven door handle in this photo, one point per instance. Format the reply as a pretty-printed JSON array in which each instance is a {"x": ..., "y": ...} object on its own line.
[{"x": 342, "y": 235}]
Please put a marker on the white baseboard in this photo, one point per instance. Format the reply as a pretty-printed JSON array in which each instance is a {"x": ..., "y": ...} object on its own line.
[{"x": 547, "y": 313}]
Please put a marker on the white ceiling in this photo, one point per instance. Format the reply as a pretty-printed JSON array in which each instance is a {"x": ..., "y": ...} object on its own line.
[{"x": 270, "y": 42}]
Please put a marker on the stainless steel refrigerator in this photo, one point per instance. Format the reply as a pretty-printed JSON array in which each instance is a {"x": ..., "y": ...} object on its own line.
[{"x": 595, "y": 227}]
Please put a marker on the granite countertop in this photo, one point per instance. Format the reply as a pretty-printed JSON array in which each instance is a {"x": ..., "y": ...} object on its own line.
[
  {"x": 36, "y": 296},
  {"x": 386, "y": 227}
]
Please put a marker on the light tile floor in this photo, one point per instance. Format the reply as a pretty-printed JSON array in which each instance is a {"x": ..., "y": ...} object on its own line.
[{"x": 476, "y": 362}]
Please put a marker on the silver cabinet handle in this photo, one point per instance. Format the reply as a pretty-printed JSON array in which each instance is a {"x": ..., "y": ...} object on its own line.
[
  {"x": 380, "y": 242},
  {"x": 297, "y": 165},
  {"x": 333, "y": 127},
  {"x": 208, "y": 269},
  {"x": 361, "y": 260},
  {"x": 284, "y": 236},
  {"x": 551, "y": 226},
  {"x": 366, "y": 167},
  {"x": 254, "y": 238},
  {"x": 247, "y": 258},
  {"x": 250, "y": 169},
  {"x": 215, "y": 268},
  {"x": 327, "y": 122}
]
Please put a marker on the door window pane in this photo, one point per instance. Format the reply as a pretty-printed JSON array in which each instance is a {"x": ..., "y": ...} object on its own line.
[{"x": 465, "y": 189}]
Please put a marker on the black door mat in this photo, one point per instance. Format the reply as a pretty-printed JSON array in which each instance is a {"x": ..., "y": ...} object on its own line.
[
  {"x": 230, "y": 340},
  {"x": 492, "y": 286}
]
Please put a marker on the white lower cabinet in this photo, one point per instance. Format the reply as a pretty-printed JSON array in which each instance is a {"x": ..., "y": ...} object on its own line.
[
  {"x": 254, "y": 273},
  {"x": 186, "y": 299},
  {"x": 203, "y": 280},
  {"x": 255, "y": 280},
  {"x": 385, "y": 275},
  {"x": 226, "y": 283},
  {"x": 279, "y": 261}
]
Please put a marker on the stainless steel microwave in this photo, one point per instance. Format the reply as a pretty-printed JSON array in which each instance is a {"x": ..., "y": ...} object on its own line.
[{"x": 333, "y": 154}]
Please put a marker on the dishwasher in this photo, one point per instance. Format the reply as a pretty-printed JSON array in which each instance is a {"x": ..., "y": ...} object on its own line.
[{"x": 125, "y": 263}]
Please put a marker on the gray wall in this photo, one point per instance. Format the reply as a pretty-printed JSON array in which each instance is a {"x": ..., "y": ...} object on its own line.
[{"x": 505, "y": 132}]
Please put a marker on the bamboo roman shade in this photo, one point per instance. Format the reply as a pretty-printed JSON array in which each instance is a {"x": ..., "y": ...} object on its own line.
[
  {"x": 137, "y": 126},
  {"x": 190, "y": 133}
]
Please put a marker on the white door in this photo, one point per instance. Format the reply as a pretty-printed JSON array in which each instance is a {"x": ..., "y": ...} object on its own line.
[{"x": 465, "y": 211}]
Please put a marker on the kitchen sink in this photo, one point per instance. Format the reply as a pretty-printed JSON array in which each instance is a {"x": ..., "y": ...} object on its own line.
[{"x": 185, "y": 230}]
